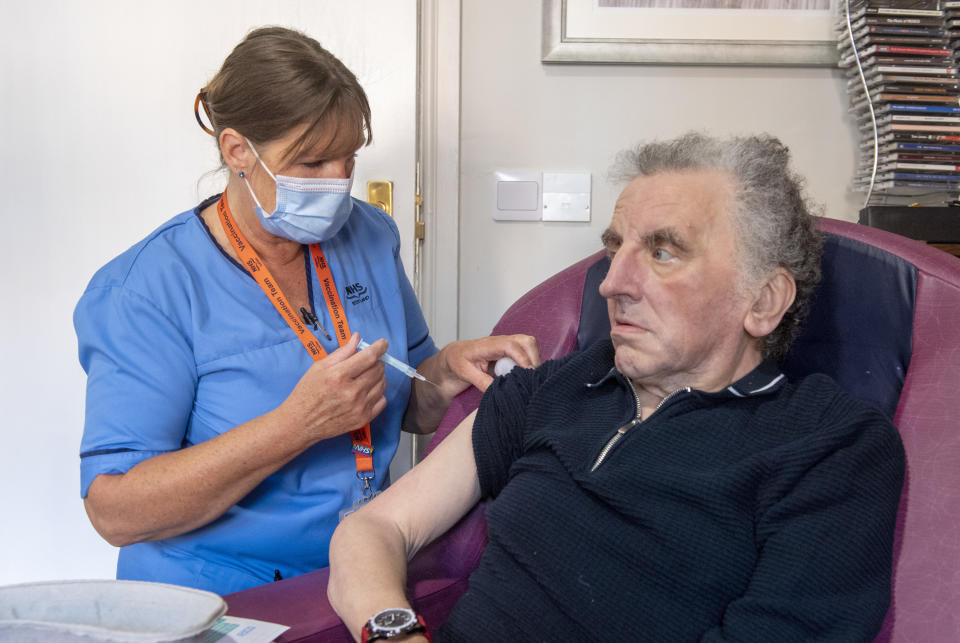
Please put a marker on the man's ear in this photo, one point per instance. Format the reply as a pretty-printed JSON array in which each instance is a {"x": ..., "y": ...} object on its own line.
[
  {"x": 236, "y": 151},
  {"x": 771, "y": 301}
]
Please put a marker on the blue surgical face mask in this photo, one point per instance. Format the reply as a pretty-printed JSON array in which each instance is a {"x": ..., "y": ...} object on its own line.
[{"x": 308, "y": 210}]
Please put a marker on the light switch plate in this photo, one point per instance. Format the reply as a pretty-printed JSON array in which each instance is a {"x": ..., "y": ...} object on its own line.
[
  {"x": 566, "y": 196},
  {"x": 517, "y": 196}
]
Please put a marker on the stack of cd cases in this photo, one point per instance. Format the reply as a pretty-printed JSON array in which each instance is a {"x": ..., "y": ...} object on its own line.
[{"x": 904, "y": 91}]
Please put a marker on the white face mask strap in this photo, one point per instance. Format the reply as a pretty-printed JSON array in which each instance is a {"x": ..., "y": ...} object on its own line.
[
  {"x": 250, "y": 190},
  {"x": 244, "y": 177},
  {"x": 260, "y": 160}
]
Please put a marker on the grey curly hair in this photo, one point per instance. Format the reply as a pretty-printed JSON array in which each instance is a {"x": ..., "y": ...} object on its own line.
[{"x": 772, "y": 218}]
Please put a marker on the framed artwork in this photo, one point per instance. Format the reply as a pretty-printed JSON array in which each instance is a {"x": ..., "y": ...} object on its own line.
[{"x": 691, "y": 32}]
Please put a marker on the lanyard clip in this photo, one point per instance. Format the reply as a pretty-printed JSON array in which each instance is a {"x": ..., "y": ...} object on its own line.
[
  {"x": 309, "y": 318},
  {"x": 365, "y": 478}
]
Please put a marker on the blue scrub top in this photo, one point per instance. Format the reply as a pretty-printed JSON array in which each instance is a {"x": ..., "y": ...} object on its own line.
[{"x": 180, "y": 344}]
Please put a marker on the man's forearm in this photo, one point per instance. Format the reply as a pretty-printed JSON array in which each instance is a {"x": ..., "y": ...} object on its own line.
[{"x": 368, "y": 570}]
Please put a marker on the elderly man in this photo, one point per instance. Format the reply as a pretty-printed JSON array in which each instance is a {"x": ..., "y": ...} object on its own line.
[{"x": 670, "y": 484}]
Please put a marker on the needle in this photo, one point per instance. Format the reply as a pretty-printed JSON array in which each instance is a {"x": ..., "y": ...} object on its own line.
[{"x": 406, "y": 369}]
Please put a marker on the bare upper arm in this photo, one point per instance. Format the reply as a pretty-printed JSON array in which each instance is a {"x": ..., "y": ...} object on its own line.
[{"x": 429, "y": 499}]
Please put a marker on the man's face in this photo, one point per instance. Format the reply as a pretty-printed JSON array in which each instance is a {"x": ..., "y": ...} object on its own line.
[{"x": 676, "y": 314}]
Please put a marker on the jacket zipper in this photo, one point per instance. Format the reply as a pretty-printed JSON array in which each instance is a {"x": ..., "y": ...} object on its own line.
[{"x": 632, "y": 423}]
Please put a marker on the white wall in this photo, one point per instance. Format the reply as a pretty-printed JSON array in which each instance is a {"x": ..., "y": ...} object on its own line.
[
  {"x": 90, "y": 97},
  {"x": 99, "y": 146},
  {"x": 519, "y": 114}
]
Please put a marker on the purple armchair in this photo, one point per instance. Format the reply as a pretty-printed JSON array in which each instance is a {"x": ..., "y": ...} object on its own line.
[{"x": 885, "y": 323}]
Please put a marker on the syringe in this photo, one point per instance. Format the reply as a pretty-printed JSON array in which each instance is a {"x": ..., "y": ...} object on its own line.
[{"x": 406, "y": 369}]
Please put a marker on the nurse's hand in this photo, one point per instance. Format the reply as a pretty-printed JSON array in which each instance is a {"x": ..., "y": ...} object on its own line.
[
  {"x": 455, "y": 368},
  {"x": 339, "y": 393},
  {"x": 471, "y": 362}
]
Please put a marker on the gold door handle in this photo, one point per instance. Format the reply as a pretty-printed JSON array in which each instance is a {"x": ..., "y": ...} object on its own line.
[{"x": 380, "y": 194}]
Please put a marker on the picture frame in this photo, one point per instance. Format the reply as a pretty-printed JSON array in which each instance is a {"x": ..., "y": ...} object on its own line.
[{"x": 580, "y": 31}]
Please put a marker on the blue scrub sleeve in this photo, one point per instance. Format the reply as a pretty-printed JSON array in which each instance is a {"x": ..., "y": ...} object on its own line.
[
  {"x": 141, "y": 378},
  {"x": 420, "y": 344}
]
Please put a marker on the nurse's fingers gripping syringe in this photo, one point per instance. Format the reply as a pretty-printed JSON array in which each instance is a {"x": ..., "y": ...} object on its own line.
[{"x": 406, "y": 369}]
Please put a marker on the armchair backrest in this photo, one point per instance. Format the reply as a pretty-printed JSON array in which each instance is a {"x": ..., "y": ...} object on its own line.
[{"x": 926, "y": 589}]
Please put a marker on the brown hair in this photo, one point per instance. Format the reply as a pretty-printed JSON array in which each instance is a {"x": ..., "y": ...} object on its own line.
[{"x": 278, "y": 79}]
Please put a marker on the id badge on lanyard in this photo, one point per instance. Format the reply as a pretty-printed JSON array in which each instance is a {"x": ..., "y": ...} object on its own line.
[
  {"x": 361, "y": 438},
  {"x": 368, "y": 494}
]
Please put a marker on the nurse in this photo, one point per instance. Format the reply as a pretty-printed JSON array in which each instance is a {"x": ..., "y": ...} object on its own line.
[{"x": 230, "y": 418}]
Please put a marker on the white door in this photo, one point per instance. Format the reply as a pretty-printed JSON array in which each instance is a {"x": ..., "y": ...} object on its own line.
[{"x": 99, "y": 147}]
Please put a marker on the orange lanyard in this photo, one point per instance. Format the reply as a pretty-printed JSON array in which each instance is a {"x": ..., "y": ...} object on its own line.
[{"x": 362, "y": 442}]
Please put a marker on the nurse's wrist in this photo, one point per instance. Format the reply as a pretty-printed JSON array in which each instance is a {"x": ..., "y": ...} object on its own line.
[
  {"x": 290, "y": 427},
  {"x": 446, "y": 384}
]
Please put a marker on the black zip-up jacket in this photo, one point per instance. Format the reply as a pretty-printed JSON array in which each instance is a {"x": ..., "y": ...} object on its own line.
[{"x": 763, "y": 512}]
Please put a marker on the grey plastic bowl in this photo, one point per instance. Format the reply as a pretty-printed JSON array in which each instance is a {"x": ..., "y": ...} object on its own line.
[{"x": 106, "y": 610}]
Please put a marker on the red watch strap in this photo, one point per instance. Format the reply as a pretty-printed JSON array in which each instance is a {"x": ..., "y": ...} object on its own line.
[{"x": 426, "y": 632}]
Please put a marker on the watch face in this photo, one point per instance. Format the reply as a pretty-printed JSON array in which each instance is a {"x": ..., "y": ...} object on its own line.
[{"x": 394, "y": 618}]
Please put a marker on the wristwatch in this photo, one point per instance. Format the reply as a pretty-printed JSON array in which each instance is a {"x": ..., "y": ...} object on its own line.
[{"x": 391, "y": 623}]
